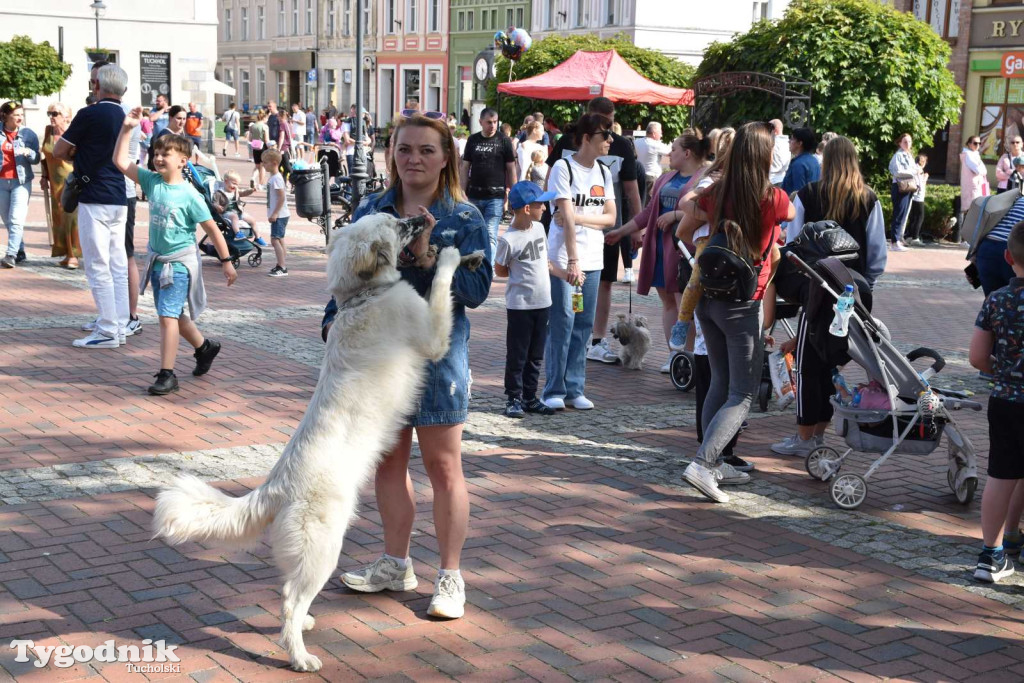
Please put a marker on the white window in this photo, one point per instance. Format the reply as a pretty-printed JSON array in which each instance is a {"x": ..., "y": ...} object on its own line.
[
  {"x": 389, "y": 19},
  {"x": 331, "y": 85},
  {"x": 282, "y": 89},
  {"x": 331, "y": 17},
  {"x": 435, "y": 16},
  {"x": 295, "y": 17},
  {"x": 509, "y": 18},
  {"x": 261, "y": 23},
  {"x": 282, "y": 25},
  {"x": 227, "y": 24},
  {"x": 469, "y": 20},
  {"x": 245, "y": 24},
  {"x": 228, "y": 80},
  {"x": 433, "y": 102},
  {"x": 410, "y": 16},
  {"x": 309, "y": 16},
  {"x": 261, "y": 84},
  {"x": 943, "y": 15},
  {"x": 462, "y": 21},
  {"x": 366, "y": 17},
  {"x": 483, "y": 21},
  {"x": 243, "y": 79},
  {"x": 762, "y": 10},
  {"x": 582, "y": 12},
  {"x": 609, "y": 12},
  {"x": 346, "y": 18},
  {"x": 552, "y": 10},
  {"x": 519, "y": 17}
]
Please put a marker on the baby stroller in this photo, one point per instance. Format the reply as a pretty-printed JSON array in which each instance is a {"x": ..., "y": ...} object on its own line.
[
  {"x": 783, "y": 312},
  {"x": 918, "y": 414},
  {"x": 202, "y": 179}
]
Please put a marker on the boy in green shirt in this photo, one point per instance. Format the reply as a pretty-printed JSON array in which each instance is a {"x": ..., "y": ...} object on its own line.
[{"x": 174, "y": 269}]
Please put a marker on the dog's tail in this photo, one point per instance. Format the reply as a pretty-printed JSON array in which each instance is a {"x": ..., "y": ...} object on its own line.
[{"x": 192, "y": 510}]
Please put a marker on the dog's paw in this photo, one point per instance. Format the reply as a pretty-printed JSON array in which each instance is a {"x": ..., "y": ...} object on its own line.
[
  {"x": 449, "y": 258},
  {"x": 308, "y": 623},
  {"x": 306, "y": 662},
  {"x": 474, "y": 260}
]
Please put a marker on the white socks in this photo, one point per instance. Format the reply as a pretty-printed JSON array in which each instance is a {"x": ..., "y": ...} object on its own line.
[{"x": 402, "y": 562}]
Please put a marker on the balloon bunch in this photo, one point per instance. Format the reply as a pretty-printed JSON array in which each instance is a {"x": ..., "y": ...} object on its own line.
[{"x": 513, "y": 44}]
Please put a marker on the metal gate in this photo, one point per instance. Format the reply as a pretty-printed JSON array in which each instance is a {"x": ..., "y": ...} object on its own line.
[{"x": 732, "y": 98}]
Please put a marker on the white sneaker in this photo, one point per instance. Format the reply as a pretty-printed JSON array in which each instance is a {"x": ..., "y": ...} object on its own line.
[
  {"x": 628, "y": 275},
  {"x": 96, "y": 341},
  {"x": 602, "y": 353},
  {"x": 794, "y": 445},
  {"x": 449, "y": 601},
  {"x": 555, "y": 403},
  {"x": 384, "y": 574},
  {"x": 899, "y": 246},
  {"x": 133, "y": 327},
  {"x": 89, "y": 326},
  {"x": 705, "y": 480},
  {"x": 122, "y": 338},
  {"x": 731, "y": 476},
  {"x": 581, "y": 403},
  {"x": 667, "y": 367}
]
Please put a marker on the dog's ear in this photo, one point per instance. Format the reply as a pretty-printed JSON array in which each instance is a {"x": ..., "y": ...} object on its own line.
[{"x": 370, "y": 257}]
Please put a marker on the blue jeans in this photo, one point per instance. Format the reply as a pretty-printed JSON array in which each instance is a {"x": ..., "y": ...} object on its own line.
[
  {"x": 491, "y": 210},
  {"x": 993, "y": 270},
  {"x": 13, "y": 210},
  {"x": 565, "y": 355},
  {"x": 900, "y": 212}
]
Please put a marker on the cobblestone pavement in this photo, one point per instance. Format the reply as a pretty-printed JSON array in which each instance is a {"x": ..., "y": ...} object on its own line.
[{"x": 587, "y": 557}]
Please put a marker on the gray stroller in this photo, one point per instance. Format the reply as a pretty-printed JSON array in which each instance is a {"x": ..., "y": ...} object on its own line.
[{"x": 918, "y": 417}]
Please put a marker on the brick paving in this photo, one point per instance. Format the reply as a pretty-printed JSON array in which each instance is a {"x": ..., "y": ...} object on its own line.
[{"x": 586, "y": 559}]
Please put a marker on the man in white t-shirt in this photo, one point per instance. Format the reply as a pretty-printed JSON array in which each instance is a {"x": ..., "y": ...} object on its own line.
[
  {"x": 649, "y": 152},
  {"x": 781, "y": 155},
  {"x": 298, "y": 124}
]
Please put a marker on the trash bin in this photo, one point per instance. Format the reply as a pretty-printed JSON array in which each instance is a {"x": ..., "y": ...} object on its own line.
[{"x": 309, "y": 192}]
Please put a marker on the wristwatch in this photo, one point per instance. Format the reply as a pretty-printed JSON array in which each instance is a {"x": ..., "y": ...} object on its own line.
[{"x": 225, "y": 260}]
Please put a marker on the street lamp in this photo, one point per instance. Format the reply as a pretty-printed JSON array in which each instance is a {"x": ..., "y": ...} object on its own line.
[{"x": 98, "y": 9}]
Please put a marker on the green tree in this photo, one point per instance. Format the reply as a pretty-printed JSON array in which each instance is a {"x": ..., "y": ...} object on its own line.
[
  {"x": 548, "y": 53},
  {"x": 28, "y": 69},
  {"x": 876, "y": 73}
]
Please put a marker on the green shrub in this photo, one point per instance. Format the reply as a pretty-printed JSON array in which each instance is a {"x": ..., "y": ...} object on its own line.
[{"x": 938, "y": 209}]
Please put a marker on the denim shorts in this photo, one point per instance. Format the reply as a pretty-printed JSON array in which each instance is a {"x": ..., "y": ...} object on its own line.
[
  {"x": 277, "y": 228},
  {"x": 170, "y": 301},
  {"x": 230, "y": 134}
]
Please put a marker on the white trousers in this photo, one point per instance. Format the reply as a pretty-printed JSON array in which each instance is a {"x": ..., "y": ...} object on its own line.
[{"x": 101, "y": 231}]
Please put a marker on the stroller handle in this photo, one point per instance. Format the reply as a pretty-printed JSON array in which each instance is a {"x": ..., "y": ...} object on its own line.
[
  {"x": 862, "y": 312},
  {"x": 923, "y": 352}
]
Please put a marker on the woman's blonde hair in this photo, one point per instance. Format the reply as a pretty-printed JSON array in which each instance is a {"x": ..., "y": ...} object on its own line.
[
  {"x": 537, "y": 157},
  {"x": 842, "y": 189},
  {"x": 64, "y": 109},
  {"x": 533, "y": 126},
  {"x": 506, "y": 128},
  {"x": 722, "y": 144},
  {"x": 449, "y": 179}
]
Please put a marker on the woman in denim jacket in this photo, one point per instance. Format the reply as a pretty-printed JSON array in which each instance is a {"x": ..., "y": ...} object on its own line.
[
  {"x": 20, "y": 150},
  {"x": 424, "y": 172}
]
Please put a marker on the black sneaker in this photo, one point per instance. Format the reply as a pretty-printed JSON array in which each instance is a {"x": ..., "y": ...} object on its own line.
[
  {"x": 21, "y": 256},
  {"x": 993, "y": 565},
  {"x": 278, "y": 271},
  {"x": 204, "y": 356},
  {"x": 739, "y": 464},
  {"x": 514, "y": 408},
  {"x": 537, "y": 406},
  {"x": 165, "y": 383}
]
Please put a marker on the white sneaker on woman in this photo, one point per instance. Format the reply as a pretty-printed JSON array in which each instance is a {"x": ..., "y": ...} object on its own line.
[
  {"x": 581, "y": 403},
  {"x": 385, "y": 573},
  {"x": 705, "y": 480},
  {"x": 731, "y": 475}
]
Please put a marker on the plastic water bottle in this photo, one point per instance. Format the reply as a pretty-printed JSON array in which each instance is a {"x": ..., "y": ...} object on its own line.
[
  {"x": 843, "y": 309},
  {"x": 577, "y": 299}
]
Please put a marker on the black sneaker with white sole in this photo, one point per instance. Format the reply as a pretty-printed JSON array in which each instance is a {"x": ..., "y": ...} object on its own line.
[
  {"x": 738, "y": 463},
  {"x": 278, "y": 271},
  {"x": 993, "y": 566},
  {"x": 537, "y": 406},
  {"x": 514, "y": 408}
]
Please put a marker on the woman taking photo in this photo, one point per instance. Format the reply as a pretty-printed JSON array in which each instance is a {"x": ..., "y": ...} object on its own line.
[
  {"x": 745, "y": 205},
  {"x": 584, "y": 205},
  {"x": 55, "y": 172},
  {"x": 839, "y": 196},
  {"x": 1004, "y": 169},
  {"x": 660, "y": 261},
  {"x": 20, "y": 150},
  {"x": 259, "y": 136},
  {"x": 424, "y": 173}
]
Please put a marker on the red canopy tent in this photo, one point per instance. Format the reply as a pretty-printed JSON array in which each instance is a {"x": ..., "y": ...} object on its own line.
[{"x": 587, "y": 75}]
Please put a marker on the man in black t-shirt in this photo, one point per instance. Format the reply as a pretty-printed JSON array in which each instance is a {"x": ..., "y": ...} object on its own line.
[
  {"x": 621, "y": 161},
  {"x": 489, "y": 172}
]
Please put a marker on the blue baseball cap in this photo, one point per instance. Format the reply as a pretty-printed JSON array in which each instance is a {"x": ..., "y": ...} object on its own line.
[{"x": 526, "y": 192}]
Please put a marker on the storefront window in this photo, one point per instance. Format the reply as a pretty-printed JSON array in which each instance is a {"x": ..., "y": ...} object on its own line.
[{"x": 1002, "y": 113}]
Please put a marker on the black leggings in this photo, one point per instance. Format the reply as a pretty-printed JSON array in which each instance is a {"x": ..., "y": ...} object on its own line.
[
  {"x": 915, "y": 221},
  {"x": 813, "y": 382}
]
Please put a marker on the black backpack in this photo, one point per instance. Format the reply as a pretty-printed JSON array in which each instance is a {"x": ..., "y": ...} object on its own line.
[{"x": 726, "y": 275}]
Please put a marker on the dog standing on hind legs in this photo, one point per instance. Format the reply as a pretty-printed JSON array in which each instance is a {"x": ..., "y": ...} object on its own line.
[{"x": 370, "y": 382}]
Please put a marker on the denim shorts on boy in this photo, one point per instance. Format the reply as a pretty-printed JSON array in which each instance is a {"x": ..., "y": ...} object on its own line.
[
  {"x": 170, "y": 301},
  {"x": 277, "y": 228}
]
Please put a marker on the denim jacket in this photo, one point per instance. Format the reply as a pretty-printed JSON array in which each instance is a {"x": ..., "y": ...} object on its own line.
[
  {"x": 25, "y": 137},
  {"x": 459, "y": 224}
]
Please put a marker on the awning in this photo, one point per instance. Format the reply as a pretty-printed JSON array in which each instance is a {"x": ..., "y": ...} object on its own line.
[{"x": 218, "y": 88}]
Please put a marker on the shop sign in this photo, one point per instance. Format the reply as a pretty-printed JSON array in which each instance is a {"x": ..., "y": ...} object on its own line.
[
  {"x": 998, "y": 29},
  {"x": 1012, "y": 65}
]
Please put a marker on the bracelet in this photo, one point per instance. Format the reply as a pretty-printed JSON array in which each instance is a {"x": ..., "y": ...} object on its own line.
[{"x": 225, "y": 260}]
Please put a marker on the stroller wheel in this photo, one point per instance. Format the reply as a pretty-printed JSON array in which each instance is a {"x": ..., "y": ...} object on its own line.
[
  {"x": 848, "y": 491},
  {"x": 234, "y": 262},
  {"x": 823, "y": 463},
  {"x": 255, "y": 259},
  {"x": 965, "y": 492},
  {"x": 764, "y": 394},
  {"x": 681, "y": 371}
]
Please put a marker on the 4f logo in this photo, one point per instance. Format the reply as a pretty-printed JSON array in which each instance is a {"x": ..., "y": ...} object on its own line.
[{"x": 533, "y": 251}]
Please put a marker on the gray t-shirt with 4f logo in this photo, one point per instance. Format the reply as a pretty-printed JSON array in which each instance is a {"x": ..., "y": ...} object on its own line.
[{"x": 524, "y": 253}]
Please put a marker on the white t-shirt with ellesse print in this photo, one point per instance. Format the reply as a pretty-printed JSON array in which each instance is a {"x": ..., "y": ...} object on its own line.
[{"x": 591, "y": 189}]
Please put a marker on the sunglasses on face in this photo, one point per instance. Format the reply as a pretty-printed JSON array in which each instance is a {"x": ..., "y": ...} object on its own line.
[
  {"x": 51, "y": 114},
  {"x": 604, "y": 134},
  {"x": 974, "y": 142},
  {"x": 435, "y": 115}
]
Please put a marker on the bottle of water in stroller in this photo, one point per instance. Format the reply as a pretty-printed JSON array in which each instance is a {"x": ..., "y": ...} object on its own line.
[
  {"x": 843, "y": 309},
  {"x": 842, "y": 388}
]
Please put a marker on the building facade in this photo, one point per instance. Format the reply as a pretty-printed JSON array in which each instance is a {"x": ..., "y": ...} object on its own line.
[
  {"x": 337, "y": 53},
  {"x": 473, "y": 25},
  {"x": 680, "y": 29},
  {"x": 412, "y": 57},
  {"x": 168, "y": 49}
]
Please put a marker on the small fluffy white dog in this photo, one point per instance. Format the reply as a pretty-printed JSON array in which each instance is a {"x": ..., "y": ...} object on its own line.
[
  {"x": 370, "y": 382},
  {"x": 634, "y": 339}
]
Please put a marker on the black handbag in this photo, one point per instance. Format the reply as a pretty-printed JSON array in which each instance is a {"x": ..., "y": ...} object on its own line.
[{"x": 73, "y": 186}]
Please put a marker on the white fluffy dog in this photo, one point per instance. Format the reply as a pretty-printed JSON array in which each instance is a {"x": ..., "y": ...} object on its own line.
[
  {"x": 634, "y": 339},
  {"x": 370, "y": 382}
]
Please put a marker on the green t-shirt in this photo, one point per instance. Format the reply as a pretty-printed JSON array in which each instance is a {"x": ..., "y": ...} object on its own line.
[{"x": 174, "y": 211}]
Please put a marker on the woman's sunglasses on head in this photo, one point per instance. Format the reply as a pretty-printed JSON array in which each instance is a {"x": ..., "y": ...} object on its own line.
[{"x": 435, "y": 115}]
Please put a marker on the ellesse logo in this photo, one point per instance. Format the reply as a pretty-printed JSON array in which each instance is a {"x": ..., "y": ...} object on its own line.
[{"x": 596, "y": 197}]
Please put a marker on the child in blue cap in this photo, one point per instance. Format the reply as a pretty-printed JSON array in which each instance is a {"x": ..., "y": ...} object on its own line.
[{"x": 521, "y": 256}]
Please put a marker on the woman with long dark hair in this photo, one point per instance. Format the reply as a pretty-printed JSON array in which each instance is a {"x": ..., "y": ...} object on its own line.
[
  {"x": 744, "y": 204},
  {"x": 20, "y": 150}
]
